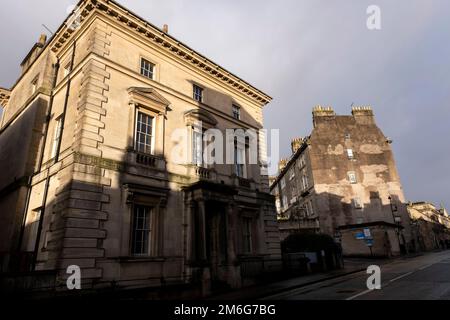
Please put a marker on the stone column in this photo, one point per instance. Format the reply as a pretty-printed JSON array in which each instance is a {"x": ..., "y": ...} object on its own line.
[
  {"x": 234, "y": 270},
  {"x": 206, "y": 275},
  {"x": 159, "y": 132},
  {"x": 202, "y": 227}
]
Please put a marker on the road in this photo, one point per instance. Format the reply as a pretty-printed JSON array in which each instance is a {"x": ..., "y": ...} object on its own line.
[{"x": 425, "y": 277}]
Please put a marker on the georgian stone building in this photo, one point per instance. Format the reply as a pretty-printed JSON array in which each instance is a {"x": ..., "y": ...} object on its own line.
[
  {"x": 88, "y": 175},
  {"x": 342, "y": 180},
  {"x": 430, "y": 226}
]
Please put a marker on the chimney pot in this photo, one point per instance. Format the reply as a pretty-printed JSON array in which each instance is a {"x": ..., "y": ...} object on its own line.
[{"x": 165, "y": 28}]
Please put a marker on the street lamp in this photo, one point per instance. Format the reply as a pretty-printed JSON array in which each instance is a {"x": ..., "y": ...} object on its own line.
[{"x": 397, "y": 219}]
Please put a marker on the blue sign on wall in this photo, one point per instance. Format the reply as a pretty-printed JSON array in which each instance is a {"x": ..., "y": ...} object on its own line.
[{"x": 360, "y": 236}]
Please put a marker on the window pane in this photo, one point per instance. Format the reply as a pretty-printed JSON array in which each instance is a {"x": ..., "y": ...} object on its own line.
[
  {"x": 141, "y": 230},
  {"x": 198, "y": 93},
  {"x": 147, "y": 68},
  {"x": 144, "y": 132}
]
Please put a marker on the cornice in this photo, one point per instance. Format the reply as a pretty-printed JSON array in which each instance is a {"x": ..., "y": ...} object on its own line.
[
  {"x": 4, "y": 96},
  {"x": 163, "y": 40}
]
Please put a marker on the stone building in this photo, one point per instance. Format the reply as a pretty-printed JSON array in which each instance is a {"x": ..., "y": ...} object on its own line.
[
  {"x": 342, "y": 180},
  {"x": 88, "y": 170},
  {"x": 430, "y": 226}
]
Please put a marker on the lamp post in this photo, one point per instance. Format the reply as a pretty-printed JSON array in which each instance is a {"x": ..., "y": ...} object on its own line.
[{"x": 396, "y": 219}]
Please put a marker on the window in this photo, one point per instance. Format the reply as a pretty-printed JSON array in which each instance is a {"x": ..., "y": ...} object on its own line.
[
  {"x": 351, "y": 177},
  {"x": 357, "y": 203},
  {"x": 350, "y": 153},
  {"x": 197, "y": 147},
  {"x": 239, "y": 161},
  {"x": 309, "y": 208},
  {"x": 347, "y": 136},
  {"x": 283, "y": 183},
  {"x": 56, "y": 136},
  {"x": 305, "y": 183},
  {"x": 285, "y": 202},
  {"x": 198, "y": 93},
  {"x": 66, "y": 70},
  {"x": 247, "y": 235},
  {"x": 34, "y": 84},
  {"x": 147, "y": 69},
  {"x": 236, "y": 112},
  {"x": 142, "y": 231},
  {"x": 301, "y": 161},
  {"x": 144, "y": 133},
  {"x": 278, "y": 205},
  {"x": 293, "y": 190},
  {"x": 292, "y": 173},
  {"x": 293, "y": 199}
]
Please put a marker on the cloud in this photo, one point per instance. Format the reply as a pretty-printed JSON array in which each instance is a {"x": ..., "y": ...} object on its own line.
[{"x": 305, "y": 53}]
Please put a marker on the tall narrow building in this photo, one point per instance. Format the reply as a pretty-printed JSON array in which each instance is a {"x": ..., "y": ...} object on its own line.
[
  {"x": 342, "y": 180},
  {"x": 90, "y": 176}
]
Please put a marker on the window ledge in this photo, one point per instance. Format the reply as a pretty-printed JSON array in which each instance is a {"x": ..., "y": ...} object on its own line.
[{"x": 146, "y": 159}]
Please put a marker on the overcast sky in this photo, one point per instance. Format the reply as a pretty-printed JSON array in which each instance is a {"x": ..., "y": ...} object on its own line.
[{"x": 305, "y": 53}]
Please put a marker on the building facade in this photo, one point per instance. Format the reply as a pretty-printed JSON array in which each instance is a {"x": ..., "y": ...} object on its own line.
[
  {"x": 430, "y": 226},
  {"x": 88, "y": 135},
  {"x": 342, "y": 180}
]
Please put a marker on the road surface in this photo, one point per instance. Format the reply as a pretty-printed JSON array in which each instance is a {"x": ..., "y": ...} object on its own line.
[{"x": 425, "y": 277}]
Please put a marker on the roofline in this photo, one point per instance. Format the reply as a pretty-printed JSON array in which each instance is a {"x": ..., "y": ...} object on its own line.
[
  {"x": 36, "y": 45},
  {"x": 269, "y": 98},
  {"x": 293, "y": 157},
  {"x": 221, "y": 73}
]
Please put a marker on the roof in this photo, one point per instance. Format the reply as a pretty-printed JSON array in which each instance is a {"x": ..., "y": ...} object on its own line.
[
  {"x": 291, "y": 160},
  {"x": 160, "y": 38}
]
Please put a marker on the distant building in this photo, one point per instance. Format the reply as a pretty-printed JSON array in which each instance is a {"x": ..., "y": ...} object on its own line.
[
  {"x": 342, "y": 181},
  {"x": 430, "y": 226},
  {"x": 88, "y": 176}
]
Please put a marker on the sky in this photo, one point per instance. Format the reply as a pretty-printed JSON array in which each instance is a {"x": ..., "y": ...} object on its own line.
[{"x": 305, "y": 53}]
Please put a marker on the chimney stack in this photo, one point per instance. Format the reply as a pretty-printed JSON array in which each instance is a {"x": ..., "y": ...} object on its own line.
[
  {"x": 363, "y": 114},
  {"x": 296, "y": 143},
  {"x": 165, "y": 28},
  {"x": 42, "y": 39},
  {"x": 281, "y": 164}
]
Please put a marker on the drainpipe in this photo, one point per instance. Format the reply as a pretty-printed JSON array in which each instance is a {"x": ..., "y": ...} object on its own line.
[{"x": 58, "y": 149}]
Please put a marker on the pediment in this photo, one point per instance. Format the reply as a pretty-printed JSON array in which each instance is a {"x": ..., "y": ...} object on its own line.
[
  {"x": 196, "y": 115},
  {"x": 147, "y": 96}
]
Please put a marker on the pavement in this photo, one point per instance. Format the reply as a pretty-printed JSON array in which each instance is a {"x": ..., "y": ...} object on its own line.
[
  {"x": 421, "y": 277},
  {"x": 351, "y": 266}
]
